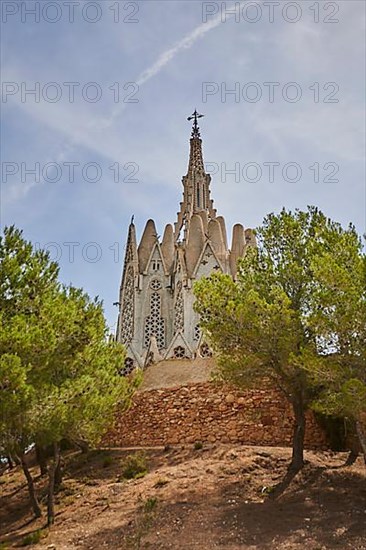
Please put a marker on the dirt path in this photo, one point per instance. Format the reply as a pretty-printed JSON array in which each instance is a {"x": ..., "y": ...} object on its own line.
[{"x": 215, "y": 497}]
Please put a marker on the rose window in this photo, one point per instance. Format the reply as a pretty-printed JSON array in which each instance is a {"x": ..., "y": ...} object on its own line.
[
  {"x": 179, "y": 352},
  {"x": 155, "y": 284},
  {"x": 128, "y": 368},
  {"x": 205, "y": 351}
]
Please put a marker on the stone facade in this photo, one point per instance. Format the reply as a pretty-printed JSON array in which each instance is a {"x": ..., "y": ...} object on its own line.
[
  {"x": 210, "y": 413},
  {"x": 156, "y": 318}
]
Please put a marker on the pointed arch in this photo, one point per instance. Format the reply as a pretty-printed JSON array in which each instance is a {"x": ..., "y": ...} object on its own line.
[{"x": 127, "y": 324}]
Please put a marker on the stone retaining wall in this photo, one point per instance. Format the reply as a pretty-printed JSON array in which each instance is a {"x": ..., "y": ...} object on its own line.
[{"x": 212, "y": 413}]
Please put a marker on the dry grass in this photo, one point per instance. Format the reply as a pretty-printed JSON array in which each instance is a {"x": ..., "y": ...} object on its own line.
[{"x": 219, "y": 497}]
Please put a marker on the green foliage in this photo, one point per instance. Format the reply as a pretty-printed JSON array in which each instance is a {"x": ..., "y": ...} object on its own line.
[
  {"x": 198, "y": 445},
  {"x": 335, "y": 430},
  {"x": 108, "y": 461},
  {"x": 150, "y": 504},
  {"x": 295, "y": 314},
  {"x": 267, "y": 490},
  {"x": 32, "y": 538},
  {"x": 135, "y": 466},
  {"x": 16, "y": 397},
  {"x": 59, "y": 373},
  {"x": 144, "y": 518},
  {"x": 26, "y": 274},
  {"x": 258, "y": 324},
  {"x": 58, "y": 369},
  {"x": 340, "y": 323}
]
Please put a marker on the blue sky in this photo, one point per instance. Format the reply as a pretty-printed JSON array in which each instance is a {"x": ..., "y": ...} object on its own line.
[{"x": 169, "y": 53}]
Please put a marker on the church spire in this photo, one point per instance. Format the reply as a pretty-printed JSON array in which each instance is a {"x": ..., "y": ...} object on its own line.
[
  {"x": 196, "y": 164},
  {"x": 195, "y": 128},
  {"x": 196, "y": 184}
]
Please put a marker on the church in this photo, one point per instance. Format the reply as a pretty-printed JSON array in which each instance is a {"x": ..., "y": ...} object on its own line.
[{"x": 156, "y": 319}]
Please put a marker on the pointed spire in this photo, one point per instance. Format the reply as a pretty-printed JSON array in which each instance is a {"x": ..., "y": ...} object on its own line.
[
  {"x": 221, "y": 221},
  {"x": 237, "y": 247},
  {"x": 250, "y": 239},
  {"x": 196, "y": 184},
  {"x": 195, "y": 157},
  {"x": 130, "y": 269},
  {"x": 195, "y": 243},
  {"x": 167, "y": 247},
  {"x": 148, "y": 240},
  {"x": 216, "y": 239},
  {"x": 195, "y": 128},
  {"x": 131, "y": 245}
]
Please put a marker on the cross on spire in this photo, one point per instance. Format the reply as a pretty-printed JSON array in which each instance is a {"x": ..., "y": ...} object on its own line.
[{"x": 195, "y": 128}]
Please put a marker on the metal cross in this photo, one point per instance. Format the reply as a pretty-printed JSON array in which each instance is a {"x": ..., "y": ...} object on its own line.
[{"x": 195, "y": 128}]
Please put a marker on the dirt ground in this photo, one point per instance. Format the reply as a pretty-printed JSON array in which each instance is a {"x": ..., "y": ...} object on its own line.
[{"x": 214, "y": 497}]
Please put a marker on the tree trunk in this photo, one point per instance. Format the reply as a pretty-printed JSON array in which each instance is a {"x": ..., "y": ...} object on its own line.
[
  {"x": 84, "y": 446},
  {"x": 10, "y": 462},
  {"x": 31, "y": 490},
  {"x": 362, "y": 438},
  {"x": 58, "y": 475},
  {"x": 51, "y": 485},
  {"x": 297, "y": 461},
  {"x": 41, "y": 459},
  {"x": 352, "y": 457}
]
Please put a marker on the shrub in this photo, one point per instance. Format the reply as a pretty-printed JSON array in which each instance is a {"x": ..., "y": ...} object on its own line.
[
  {"x": 149, "y": 505},
  {"x": 198, "y": 446},
  {"x": 32, "y": 538},
  {"x": 145, "y": 515},
  {"x": 108, "y": 461},
  {"x": 135, "y": 466},
  {"x": 267, "y": 490},
  {"x": 161, "y": 483}
]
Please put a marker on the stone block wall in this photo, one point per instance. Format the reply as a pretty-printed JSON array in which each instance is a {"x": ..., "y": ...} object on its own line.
[{"x": 211, "y": 413}]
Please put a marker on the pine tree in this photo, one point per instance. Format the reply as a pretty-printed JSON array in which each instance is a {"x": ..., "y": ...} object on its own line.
[
  {"x": 266, "y": 324},
  {"x": 59, "y": 372}
]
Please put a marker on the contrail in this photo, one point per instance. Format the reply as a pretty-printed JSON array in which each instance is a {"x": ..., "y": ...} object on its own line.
[{"x": 184, "y": 44}]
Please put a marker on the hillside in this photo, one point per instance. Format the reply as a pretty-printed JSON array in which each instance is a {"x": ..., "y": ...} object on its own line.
[{"x": 214, "y": 497}]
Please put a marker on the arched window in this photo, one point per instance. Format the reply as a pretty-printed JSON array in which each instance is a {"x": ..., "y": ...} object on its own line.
[
  {"x": 128, "y": 307},
  {"x": 154, "y": 323},
  {"x": 179, "y": 309}
]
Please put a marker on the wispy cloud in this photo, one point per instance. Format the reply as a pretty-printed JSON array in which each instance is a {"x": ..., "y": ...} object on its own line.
[
  {"x": 168, "y": 55},
  {"x": 78, "y": 129},
  {"x": 184, "y": 44}
]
